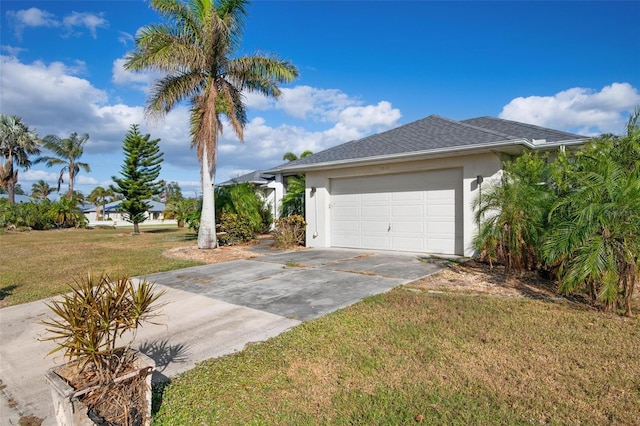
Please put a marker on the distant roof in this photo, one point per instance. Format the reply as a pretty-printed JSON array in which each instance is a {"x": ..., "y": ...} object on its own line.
[
  {"x": 114, "y": 206},
  {"x": 431, "y": 135},
  {"x": 256, "y": 177}
]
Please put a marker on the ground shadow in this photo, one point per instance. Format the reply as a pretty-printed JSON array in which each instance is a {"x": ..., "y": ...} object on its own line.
[
  {"x": 163, "y": 354},
  {"x": 161, "y": 230},
  {"x": 7, "y": 291}
]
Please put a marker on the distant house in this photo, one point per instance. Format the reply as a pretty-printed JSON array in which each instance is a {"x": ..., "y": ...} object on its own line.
[{"x": 113, "y": 215}]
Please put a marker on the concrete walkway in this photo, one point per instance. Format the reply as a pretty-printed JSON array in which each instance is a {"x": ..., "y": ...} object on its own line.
[{"x": 211, "y": 310}]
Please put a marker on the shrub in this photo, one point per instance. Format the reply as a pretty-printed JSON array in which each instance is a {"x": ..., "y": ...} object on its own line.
[
  {"x": 290, "y": 231},
  {"x": 238, "y": 229}
]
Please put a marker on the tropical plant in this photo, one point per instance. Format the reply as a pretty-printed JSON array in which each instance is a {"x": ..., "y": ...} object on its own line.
[
  {"x": 41, "y": 189},
  {"x": 99, "y": 197},
  {"x": 241, "y": 199},
  {"x": 94, "y": 325},
  {"x": 17, "y": 143},
  {"x": 66, "y": 152},
  {"x": 512, "y": 215},
  {"x": 594, "y": 243},
  {"x": 293, "y": 200},
  {"x": 195, "y": 47},
  {"x": 172, "y": 192},
  {"x": 67, "y": 213},
  {"x": 290, "y": 156},
  {"x": 140, "y": 173},
  {"x": 180, "y": 210}
]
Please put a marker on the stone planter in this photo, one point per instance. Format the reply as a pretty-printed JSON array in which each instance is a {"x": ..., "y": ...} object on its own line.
[{"x": 71, "y": 411}]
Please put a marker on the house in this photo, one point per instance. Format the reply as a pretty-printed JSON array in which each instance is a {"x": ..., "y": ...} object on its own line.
[
  {"x": 412, "y": 188},
  {"x": 112, "y": 215},
  {"x": 267, "y": 186}
]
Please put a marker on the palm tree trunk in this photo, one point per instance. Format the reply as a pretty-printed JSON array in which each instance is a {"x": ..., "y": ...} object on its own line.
[{"x": 207, "y": 238}]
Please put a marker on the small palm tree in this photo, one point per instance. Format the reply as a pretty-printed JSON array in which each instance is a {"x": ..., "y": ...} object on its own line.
[
  {"x": 293, "y": 200},
  {"x": 17, "y": 143},
  {"x": 66, "y": 152},
  {"x": 196, "y": 48},
  {"x": 41, "y": 189},
  {"x": 180, "y": 209},
  {"x": 512, "y": 215},
  {"x": 99, "y": 197}
]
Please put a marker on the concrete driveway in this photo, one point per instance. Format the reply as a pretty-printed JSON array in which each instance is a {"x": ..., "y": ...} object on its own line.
[{"x": 211, "y": 310}]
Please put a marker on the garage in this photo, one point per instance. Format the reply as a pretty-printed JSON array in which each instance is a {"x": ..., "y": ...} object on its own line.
[{"x": 418, "y": 212}]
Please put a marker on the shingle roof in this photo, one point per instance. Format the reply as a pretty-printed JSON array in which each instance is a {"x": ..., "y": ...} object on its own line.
[
  {"x": 256, "y": 177},
  {"x": 521, "y": 130},
  {"x": 432, "y": 134}
]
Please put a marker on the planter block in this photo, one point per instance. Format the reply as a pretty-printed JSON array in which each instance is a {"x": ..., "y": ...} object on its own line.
[{"x": 70, "y": 411}]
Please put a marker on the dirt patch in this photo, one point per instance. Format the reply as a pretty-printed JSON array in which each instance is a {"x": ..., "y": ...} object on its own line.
[
  {"x": 221, "y": 254},
  {"x": 479, "y": 278}
]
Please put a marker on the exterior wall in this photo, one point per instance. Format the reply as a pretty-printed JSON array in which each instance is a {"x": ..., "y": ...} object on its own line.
[
  {"x": 275, "y": 196},
  {"x": 318, "y": 191}
]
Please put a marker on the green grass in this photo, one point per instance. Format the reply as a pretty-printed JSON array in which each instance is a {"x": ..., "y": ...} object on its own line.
[
  {"x": 452, "y": 359},
  {"x": 39, "y": 264}
]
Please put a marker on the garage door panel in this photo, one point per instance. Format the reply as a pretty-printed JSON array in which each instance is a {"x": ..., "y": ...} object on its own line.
[
  {"x": 374, "y": 226},
  {"x": 407, "y": 243},
  {"x": 375, "y": 241},
  {"x": 410, "y": 212},
  {"x": 374, "y": 213}
]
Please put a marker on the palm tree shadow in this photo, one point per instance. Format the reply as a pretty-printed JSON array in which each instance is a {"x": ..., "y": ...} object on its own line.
[{"x": 163, "y": 354}]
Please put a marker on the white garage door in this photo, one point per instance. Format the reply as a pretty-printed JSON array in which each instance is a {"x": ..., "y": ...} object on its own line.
[{"x": 419, "y": 212}]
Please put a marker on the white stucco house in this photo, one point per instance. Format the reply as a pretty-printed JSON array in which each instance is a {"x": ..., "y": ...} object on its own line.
[
  {"x": 113, "y": 216},
  {"x": 412, "y": 188}
]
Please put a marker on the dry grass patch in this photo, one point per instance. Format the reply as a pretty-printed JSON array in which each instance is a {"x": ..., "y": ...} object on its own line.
[{"x": 38, "y": 264}]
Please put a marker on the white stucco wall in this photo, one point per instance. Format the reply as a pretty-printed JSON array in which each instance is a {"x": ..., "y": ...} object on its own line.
[{"x": 318, "y": 213}]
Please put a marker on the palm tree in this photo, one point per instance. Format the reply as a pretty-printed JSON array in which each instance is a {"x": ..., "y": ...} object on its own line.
[
  {"x": 17, "y": 143},
  {"x": 41, "y": 189},
  {"x": 66, "y": 152},
  {"x": 195, "y": 49},
  {"x": 180, "y": 209},
  {"x": 595, "y": 239},
  {"x": 290, "y": 156},
  {"x": 99, "y": 197},
  {"x": 512, "y": 215}
]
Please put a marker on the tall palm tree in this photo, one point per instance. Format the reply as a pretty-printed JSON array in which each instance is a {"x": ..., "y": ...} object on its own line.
[
  {"x": 41, "y": 189},
  {"x": 195, "y": 47},
  {"x": 17, "y": 143},
  {"x": 99, "y": 197},
  {"x": 66, "y": 152}
]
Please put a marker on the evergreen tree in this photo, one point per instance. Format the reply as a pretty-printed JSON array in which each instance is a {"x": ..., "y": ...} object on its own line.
[{"x": 140, "y": 172}]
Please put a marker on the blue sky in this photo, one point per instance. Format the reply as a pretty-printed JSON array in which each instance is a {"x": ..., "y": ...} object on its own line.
[{"x": 365, "y": 66}]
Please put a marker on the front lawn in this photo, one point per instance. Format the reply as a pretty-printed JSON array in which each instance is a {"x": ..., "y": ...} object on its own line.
[
  {"x": 412, "y": 355},
  {"x": 38, "y": 264}
]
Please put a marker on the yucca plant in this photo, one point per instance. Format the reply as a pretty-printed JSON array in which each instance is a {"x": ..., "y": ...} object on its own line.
[{"x": 94, "y": 325}]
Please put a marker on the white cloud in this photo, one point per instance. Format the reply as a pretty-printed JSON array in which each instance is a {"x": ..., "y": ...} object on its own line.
[
  {"x": 138, "y": 80},
  {"x": 53, "y": 100},
  {"x": 84, "y": 20},
  {"x": 125, "y": 38},
  {"x": 30, "y": 18},
  {"x": 578, "y": 109},
  {"x": 12, "y": 50}
]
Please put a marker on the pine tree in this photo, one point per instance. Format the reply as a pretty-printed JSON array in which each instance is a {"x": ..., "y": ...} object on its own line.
[{"x": 140, "y": 172}]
